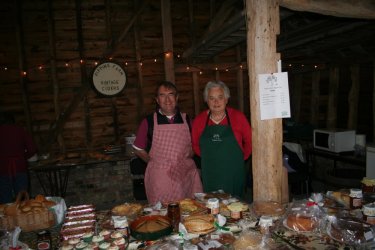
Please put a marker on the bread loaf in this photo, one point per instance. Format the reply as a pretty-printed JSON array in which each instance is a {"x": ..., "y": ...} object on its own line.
[{"x": 299, "y": 222}]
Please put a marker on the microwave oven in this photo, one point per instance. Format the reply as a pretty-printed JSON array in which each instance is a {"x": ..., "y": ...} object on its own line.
[{"x": 334, "y": 140}]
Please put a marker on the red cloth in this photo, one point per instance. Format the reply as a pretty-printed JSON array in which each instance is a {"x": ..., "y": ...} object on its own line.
[
  {"x": 240, "y": 126},
  {"x": 171, "y": 174},
  {"x": 16, "y": 146}
]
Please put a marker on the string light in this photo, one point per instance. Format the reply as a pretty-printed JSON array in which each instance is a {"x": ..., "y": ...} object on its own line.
[
  {"x": 24, "y": 73},
  {"x": 81, "y": 61},
  {"x": 40, "y": 67},
  {"x": 155, "y": 60}
]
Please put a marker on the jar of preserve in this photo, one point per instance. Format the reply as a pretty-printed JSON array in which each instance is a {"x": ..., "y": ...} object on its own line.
[
  {"x": 213, "y": 205},
  {"x": 44, "y": 241},
  {"x": 355, "y": 198},
  {"x": 265, "y": 222},
  {"x": 368, "y": 211},
  {"x": 174, "y": 214}
]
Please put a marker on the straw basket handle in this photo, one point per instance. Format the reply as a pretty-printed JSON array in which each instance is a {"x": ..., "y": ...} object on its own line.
[{"x": 22, "y": 196}]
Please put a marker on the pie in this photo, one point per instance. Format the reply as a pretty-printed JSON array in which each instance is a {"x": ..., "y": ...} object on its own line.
[
  {"x": 187, "y": 206},
  {"x": 127, "y": 209},
  {"x": 200, "y": 224}
]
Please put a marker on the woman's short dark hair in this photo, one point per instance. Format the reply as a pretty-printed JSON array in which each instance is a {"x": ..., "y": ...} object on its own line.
[{"x": 167, "y": 85}]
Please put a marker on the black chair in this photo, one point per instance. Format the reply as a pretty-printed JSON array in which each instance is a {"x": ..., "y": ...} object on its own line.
[
  {"x": 137, "y": 171},
  {"x": 298, "y": 176}
]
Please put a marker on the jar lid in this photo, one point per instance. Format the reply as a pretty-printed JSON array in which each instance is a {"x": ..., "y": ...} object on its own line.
[
  {"x": 213, "y": 201},
  {"x": 369, "y": 209},
  {"x": 265, "y": 220},
  {"x": 355, "y": 192}
]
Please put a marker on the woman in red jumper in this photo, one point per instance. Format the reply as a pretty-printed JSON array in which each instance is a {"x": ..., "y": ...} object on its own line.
[
  {"x": 16, "y": 146},
  {"x": 221, "y": 136}
]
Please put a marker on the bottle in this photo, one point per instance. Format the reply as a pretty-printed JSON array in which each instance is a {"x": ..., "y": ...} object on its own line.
[
  {"x": 44, "y": 241},
  {"x": 174, "y": 214},
  {"x": 355, "y": 198}
]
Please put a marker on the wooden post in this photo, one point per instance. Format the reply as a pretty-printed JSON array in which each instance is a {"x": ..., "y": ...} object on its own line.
[
  {"x": 268, "y": 171},
  {"x": 197, "y": 93},
  {"x": 373, "y": 101},
  {"x": 167, "y": 40},
  {"x": 332, "y": 97},
  {"x": 315, "y": 93},
  {"x": 296, "y": 97},
  {"x": 240, "y": 95},
  {"x": 137, "y": 45},
  {"x": 353, "y": 97},
  {"x": 21, "y": 64},
  {"x": 55, "y": 82}
]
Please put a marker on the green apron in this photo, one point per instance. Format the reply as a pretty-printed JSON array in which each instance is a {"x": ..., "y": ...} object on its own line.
[{"x": 222, "y": 160}]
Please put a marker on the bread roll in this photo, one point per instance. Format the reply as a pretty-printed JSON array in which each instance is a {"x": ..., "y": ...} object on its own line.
[
  {"x": 48, "y": 203},
  {"x": 40, "y": 198}
]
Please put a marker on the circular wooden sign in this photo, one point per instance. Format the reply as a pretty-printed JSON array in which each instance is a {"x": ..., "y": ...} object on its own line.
[{"x": 109, "y": 78}]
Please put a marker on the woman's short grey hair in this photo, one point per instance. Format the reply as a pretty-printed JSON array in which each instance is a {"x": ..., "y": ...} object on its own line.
[{"x": 214, "y": 84}]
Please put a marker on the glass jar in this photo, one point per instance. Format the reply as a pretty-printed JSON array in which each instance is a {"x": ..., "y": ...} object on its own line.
[
  {"x": 265, "y": 222},
  {"x": 355, "y": 198},
  {"x": 44, "y": 241},
  {"x": 368, "y": 211},
  {"x": 213, "y": 205},
  {"x": 174, "y": 214}
]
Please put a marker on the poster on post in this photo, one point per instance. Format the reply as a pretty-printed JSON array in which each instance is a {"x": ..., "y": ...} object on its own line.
[{"x": 274, "y": 96}]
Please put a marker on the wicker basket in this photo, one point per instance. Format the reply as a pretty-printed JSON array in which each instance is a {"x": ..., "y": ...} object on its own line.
[{"x": 28, "y": 222}]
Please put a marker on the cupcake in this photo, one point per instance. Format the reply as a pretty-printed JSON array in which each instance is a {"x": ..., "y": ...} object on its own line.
[
  {"x": 89, "y": 247},
  {"x": 104, "y": 245},
  {"x": 94, "y": 245},
  {"x": 113, "y": 248},
  {"x": 105, "y": 233},
  {"x": 66, "y": 247},
  {"x": 87, "y": 237},
  {"x": 120, "y": 243},
  {"x": 116, "y": 235},
  {"x": 97, "y": 239},
  {"x": 81, "y": 245},
  {"x": 74, "y": 241}
]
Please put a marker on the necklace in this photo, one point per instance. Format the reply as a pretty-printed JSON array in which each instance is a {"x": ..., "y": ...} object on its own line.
[{"x": 217, "y": 121}]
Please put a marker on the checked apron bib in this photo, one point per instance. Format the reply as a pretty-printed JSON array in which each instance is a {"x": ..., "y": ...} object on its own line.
[
  {"x": 171, "y": 173},
  {"x": 222, "y": 160}
]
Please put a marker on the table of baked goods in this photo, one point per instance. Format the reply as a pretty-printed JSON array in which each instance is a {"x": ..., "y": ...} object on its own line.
[{"x": 217, "y": 221}]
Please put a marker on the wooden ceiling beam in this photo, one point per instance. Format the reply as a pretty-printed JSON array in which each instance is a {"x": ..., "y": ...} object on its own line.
[{"x": 363, "y": 9}]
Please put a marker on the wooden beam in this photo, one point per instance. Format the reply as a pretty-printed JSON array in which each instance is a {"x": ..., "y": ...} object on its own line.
[
  {"x": 262, "y": 29},
  {"x": 296, "y": 95},
  {"x": 108, "y": 29},
  {"x": 138, "y": 55},
  {"x": 353, "y": 97},
  {"x": 315, "y": 94},
  {"x": 240, "y": 83},
  {"x": 332, "y": 97},
  {"x": 373, "y": 101},
  {"x": 21, "y": 64},
  {"x": 196, "y": 93},
  {"x": 84, "y": 78},
  {"x": 167, "y": 40},
  {"x": 363, "y": 9},
  {"x": 55, "y": 81},
  {"x": 116, "y": 42}
]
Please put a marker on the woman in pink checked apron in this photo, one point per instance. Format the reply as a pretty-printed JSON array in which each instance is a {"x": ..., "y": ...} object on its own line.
[{"x": 163, "y": 141}]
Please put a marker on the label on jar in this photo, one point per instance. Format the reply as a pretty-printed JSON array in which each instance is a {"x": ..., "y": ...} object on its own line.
[
  {"x": 370, "y": 220},
  {"x": 356, "y": 202},
  {"x": 213, "y": 205}
]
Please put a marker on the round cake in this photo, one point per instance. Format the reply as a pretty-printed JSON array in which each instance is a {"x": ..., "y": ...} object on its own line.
[
  {"x": 349, "y": 230},
  {"x": 268, "y": 208},
  {"x": 298, "y": 222}
]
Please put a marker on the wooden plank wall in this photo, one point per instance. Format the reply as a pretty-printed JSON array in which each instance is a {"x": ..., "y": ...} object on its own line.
[{"x": 40, "y": 38}]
